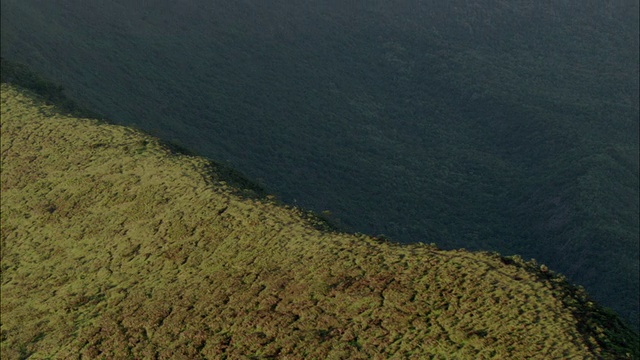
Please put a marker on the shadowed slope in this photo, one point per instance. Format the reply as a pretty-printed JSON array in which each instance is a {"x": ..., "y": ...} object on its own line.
[{"x": 114, "y": 247}]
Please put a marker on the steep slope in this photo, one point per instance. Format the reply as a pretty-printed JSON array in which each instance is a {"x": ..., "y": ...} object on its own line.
[
  {"x": 508, "y": 126},
  {"x": 114, "y": 247}
]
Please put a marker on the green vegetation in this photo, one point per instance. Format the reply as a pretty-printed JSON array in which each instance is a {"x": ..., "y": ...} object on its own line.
[
  {"x": 115, "y": 247},
  {"x": 505, "y": 126}
]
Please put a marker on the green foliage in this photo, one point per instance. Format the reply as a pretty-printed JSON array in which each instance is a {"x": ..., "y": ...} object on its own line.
[
  {"x": 113, "y": 246},
  {"x": 506, "y": 126}
]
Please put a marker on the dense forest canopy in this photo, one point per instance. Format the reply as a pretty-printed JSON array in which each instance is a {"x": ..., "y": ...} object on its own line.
[
  {"x": 509, "y": 126},
  {"x": 114, "y": 246}
]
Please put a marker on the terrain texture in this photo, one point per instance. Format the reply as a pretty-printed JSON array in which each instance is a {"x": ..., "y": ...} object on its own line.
[
  {"x": 508, "y": 126},
  {"x": 115, "y": 247}
]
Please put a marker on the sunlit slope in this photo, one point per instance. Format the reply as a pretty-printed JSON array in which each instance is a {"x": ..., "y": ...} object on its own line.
[
  {"x": 506, "y": 126},
  {"x": 114, "y": 247}
]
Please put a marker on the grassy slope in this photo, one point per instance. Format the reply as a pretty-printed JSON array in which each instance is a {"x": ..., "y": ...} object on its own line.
[
  {"x": 508, "y": 126},
  {"x": 113, "y": 246}
]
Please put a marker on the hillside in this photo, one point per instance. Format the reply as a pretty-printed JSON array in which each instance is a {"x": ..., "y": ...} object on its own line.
[
  {"x": 115, "y": 247},
  {"x": 504, "y": 126}
]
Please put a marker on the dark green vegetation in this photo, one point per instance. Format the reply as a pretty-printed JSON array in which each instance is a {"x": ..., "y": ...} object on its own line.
[
  {"x": 21, "y": 75},
  {"x": 113, "y": 247},
  {"x": 509, "y": 126}
]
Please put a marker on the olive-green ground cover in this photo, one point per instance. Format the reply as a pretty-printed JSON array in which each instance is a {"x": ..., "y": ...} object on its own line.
[{"x": 114, "y": 247}]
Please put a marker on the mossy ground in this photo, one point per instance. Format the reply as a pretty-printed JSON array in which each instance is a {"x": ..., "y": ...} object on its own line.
[{"x": 114, "y": 247}]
